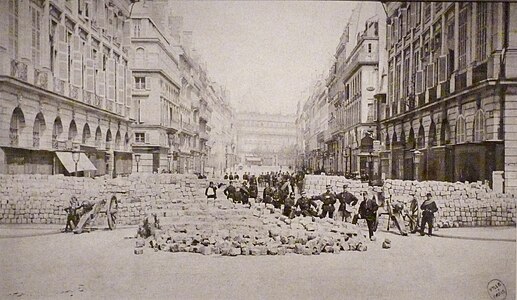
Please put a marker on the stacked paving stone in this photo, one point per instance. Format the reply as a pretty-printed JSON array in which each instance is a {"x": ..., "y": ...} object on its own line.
[
  {"x": 230, "y": 229},
  {"x": 42, "y": 198},
  {"x": 460, "y": 204}
]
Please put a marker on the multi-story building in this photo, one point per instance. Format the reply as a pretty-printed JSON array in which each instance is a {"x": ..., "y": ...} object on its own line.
[
  {"x": 222, "y": 135},
  {"x": 156, "y": 90},
  {"x": 266, "y": 139},
  {"x": 312, "y": 124},
  {"x": 169, "y": 82},
  {"x": 64, "y": 86},
  {"x": 352, "y": 84},
  {"x": 451, "y": 92}
]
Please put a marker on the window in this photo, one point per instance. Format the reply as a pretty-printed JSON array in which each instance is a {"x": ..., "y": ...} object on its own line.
[
  {"x": 140, "y": 54},
  {"x": 479, "y": 126},
  {"x": 463, "y": 37},
  {"x": 36, "y": 42},
  {"x": 418, "y": 12},
  {"x": 140, "y": 83},
  {"x": 495, "y": 27},
  {"x": 461, "y": 133},
  {"x": 481, "y": 32},
  {"x": 407, "y": 72},
  {"x": 17, "y": 123},
  {"x": 13, "y": 28},
  {"x": 137, "y": 25},
  {"x": 427, "y": 11}
]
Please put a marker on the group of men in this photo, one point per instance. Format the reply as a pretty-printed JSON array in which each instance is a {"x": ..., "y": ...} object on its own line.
[{"x": 279, "y": 191}]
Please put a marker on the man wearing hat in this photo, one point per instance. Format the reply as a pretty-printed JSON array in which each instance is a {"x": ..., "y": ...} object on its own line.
[
  {"x": 229, "y": 191},
  {"x": 428, "y": 208},
  {"x": 288, "y": 205},
  {"x": 245, "y": 193},
  {"x": 346, "y": 201},
  {"x": 305, "y": 206},
  {"x": 329, "y": 199},
  {"x": 413, "y": 214},
  {"x": 211, "y": 192}
]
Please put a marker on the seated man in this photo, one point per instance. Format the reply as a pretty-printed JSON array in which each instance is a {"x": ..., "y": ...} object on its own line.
[{"x": 305, "y": 206}]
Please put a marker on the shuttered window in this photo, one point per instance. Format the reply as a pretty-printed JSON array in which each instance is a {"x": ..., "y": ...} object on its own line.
[
  {"x": 13, "y": 28},
  {"x": 36, "y": 39}
]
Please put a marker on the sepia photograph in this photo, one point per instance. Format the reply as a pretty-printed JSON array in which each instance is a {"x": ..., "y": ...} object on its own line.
[{"x": 261, "y": 149}]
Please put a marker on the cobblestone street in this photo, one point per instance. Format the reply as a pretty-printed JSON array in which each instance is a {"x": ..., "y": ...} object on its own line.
[{"x": 459, "y": 262}]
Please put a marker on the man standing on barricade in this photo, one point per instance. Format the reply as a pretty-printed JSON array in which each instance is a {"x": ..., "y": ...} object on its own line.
[{"x": 346, "y": 201}]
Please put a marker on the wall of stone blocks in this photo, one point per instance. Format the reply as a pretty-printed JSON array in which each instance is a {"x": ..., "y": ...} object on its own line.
[
  {"x": 42, "y": 199},
  {"x": 460, "y": 204}
]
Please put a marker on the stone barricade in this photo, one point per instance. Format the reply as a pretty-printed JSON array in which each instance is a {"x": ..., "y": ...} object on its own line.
[
  {"x": 231, "y": 229},
  {"x": 460, "y": 204},
  {"x": 42, "y": 199}
]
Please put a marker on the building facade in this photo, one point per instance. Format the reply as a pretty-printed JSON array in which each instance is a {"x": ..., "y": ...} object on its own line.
[
  {"x": 173, "y": 95},
  {"x": 266, "y": 139},
  {"x": 64, "y": 86},
  {"x": 312, "y": 124},
  {"x": 451, "y": 93},
  {"x": 352, "y": 85}
]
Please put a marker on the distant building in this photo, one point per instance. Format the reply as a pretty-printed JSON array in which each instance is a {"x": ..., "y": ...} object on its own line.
[
  {"x": 64, "y": 85},
  {"x": 451, "y": 92},
  {"x": 266, "y": 139}
]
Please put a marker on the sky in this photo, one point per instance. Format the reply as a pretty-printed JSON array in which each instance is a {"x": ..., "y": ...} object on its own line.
[{"x": 268, "y": 54}]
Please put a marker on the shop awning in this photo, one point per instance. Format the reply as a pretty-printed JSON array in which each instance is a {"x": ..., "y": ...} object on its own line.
[{"x": 84, "y": 163}]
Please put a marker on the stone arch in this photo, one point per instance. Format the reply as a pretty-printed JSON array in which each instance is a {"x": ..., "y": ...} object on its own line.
[
  {"x": 445, "y": 133},
  {"x": 98, "y": 137},
  {"x": 403, "y": 136},
  {"x": 388, "y": 139},
  {"x": 394, "y": 137},
  {"x": 86, "y": 134},
  {"x": 421, "y": 137},
  {"x": 57, "y": 130},
  {"x": 38, "y": 129},
  {"x": 16, "y": 126},
  {"x": 432, "y": 141},
  {"x": 108, "y": 139},
  {"x": 126, "y": 141},
  {"x": 140, "y": 54},
  {"x": 72, "y": 131},
  {"x": 411, "y": 139},
  {"x": 479, "y": 128},
  {"x": 461, "y": 130},
  {"x": 118, "y": 140}
]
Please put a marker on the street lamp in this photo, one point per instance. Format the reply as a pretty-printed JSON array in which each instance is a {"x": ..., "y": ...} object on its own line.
[
  {"x": 345, "y": 155},
  {"x": 169, "y": 156},
  {"x": 76, "y": 155},
  {"x": 370, "y": 167},
  {"x": 416, "y": 159},
  {"x": 137, "y": 159}
]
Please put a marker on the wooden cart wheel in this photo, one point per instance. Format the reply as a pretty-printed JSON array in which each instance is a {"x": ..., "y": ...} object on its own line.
[{"x": 111, "y": 212}]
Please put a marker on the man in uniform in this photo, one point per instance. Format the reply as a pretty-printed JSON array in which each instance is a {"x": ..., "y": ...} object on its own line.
[
  {"x": 245, "y": 193},
  {"x": 329, "y": 199},
  {"x": 229, "y": 191},
  {"x": 428, "y": 209},
  {"x": 413, "y": 214},
  {"x": 368, "y": 210},
  {"x": 346, "y": 199},
  {"x": 231, "y": 176},
  {"x": 305, "y": 206},
  {"x": 288, "y": 206},
  {"x": 267, "y": 194}
]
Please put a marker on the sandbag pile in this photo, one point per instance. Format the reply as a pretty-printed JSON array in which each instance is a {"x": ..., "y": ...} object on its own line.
[{"x": 232, "y": 230}]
